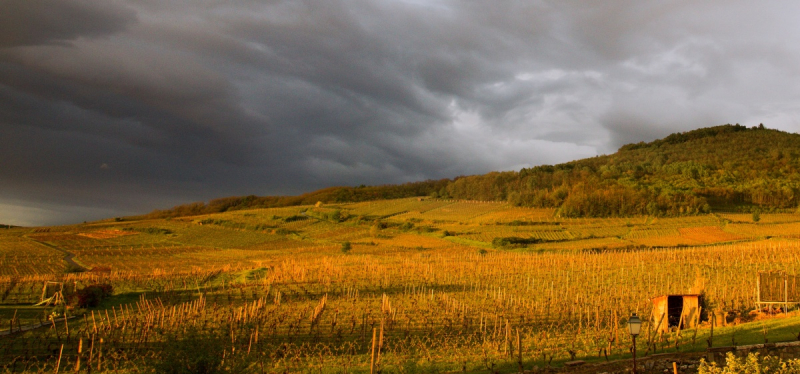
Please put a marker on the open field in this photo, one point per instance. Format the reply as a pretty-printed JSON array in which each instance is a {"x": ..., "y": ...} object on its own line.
[{"x": 409, "y": 285}]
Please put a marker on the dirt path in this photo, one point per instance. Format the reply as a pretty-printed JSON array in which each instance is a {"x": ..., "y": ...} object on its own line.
[{"x": 68, "y": 256}]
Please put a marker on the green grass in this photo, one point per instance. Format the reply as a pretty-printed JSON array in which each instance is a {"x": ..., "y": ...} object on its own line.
[
  {"x": 781, "y": 328},
  {"x": 468, "y": 242},
  {"x": 25, "y": 314}
]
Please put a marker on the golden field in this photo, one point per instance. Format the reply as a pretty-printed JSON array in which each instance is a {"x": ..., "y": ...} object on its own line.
[{"x": 408, "y": 285}]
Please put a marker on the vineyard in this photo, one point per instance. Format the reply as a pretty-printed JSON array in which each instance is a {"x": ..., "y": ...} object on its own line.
[
  {"x": 21, "y": 257},
  {"x": 409, "y": 285}
]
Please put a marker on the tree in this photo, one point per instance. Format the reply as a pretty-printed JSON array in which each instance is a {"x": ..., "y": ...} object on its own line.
[
  {"x": 375, "y": 230},
  {"x": 335, "y": 216}
]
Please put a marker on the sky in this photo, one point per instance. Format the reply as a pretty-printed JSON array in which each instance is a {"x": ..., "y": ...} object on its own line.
[{"x": 111, "y": 108}]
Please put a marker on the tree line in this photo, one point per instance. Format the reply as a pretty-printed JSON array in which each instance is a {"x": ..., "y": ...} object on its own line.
[{"x": 721, "y": 167}]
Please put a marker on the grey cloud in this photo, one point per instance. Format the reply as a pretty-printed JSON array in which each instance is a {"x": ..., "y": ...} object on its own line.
[
  {"x": 35, "y": 22},
  {"x": 186, "y": 103},
  {"x": 149, "y": 98}
]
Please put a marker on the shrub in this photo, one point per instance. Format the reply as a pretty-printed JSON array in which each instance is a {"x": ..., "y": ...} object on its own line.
[
  {"x": 514, "y": 242},
  {"x": 262, "y": 227},
  {"x": 294, "y": 218},
  {"x": 751, "y": 364},
  {"x": 375, "y": 230},
  {"x": 72, "y": 268},
  {"x": 158, "y": 230},
  {"x": 282, "y": 231},
  {"x": 208, "y": 221},
  {"x": 91, "y": 296},
  {"x": 346, "y": 247}
]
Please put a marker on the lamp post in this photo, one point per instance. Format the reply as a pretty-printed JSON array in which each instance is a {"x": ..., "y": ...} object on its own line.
[{"x": 634, "y": 326}]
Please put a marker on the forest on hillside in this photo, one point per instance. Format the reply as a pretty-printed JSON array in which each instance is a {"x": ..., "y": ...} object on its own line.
[{"x": 729, "y": 167}]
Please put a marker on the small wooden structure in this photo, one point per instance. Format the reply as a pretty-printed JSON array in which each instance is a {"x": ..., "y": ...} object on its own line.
[
  {"x": 777, "y": 287},
  {"x": 57, "y": 298},
  {"x": 681, "y": 311}
]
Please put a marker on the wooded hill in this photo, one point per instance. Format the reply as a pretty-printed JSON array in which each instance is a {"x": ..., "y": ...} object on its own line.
[{"x": 729, "y": 167}]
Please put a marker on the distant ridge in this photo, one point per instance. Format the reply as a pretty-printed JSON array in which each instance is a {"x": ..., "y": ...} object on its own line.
[
  {"x": 327, "y": 195},
  {"x": 728, "y": 167}
]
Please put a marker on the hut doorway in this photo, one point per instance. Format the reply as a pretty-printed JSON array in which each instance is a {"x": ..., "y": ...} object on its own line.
[{"x": 674, "y": 310}]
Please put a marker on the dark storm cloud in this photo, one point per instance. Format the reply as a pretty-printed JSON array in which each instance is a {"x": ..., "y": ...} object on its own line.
[
  {"x": 112, "y": 107},
  {"x": 34, "y": 22}
]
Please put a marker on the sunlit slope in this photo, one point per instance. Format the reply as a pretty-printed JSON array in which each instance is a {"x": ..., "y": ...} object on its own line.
[
  {"x": 457, "y": 279},
  {"x": 244, "y": 238},
  {"x": 727, "y": 168}
]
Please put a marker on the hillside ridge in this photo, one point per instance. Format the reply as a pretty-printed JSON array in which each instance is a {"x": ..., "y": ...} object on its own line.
[{"x": 727, "y": 167}]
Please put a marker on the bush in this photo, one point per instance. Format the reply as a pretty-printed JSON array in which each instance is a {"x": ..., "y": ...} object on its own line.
[
  {"x": 346, "y": 247},
  {"x": 71, "y": 268},
  {"x": 514, "y": 242},
  {"x": 294, "y": 218},
  {"x": 375, "y": 230},
  {"x": 263, "y": 227},
  {"x": 91, "y": 296},
  {"x": 208, "y": 221},
  {"x": 751, "y": 364},
  {"x": 157, "y": 230},
  {"x": 425, "y": 229}
]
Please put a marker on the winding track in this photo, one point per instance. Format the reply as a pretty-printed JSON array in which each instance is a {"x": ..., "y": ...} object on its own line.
[{"x": 68, "y": 256}]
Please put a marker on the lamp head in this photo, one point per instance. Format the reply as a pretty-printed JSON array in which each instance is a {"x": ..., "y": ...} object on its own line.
[{"x": 634, "y": 325}]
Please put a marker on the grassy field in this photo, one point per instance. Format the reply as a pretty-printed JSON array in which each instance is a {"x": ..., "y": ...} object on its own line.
[{"x": 409, "y": 285}]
